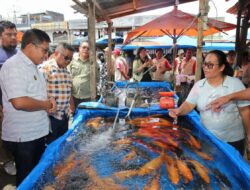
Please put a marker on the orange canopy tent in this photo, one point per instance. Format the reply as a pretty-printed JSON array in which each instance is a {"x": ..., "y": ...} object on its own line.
[{"x": 175, "y": 24}]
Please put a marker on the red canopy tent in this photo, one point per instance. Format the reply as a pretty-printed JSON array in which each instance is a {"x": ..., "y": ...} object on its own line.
[{"x": 177, "y": 23}]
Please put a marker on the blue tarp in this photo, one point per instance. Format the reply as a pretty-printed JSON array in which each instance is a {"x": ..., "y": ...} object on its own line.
[
  {"x": 223, "y": 46},
  {"x": 133, "y": 47},
  {"x": 164, "y": 84},
  {"x": 232, "y": 161},
  {"x": 104, "y": 40}
]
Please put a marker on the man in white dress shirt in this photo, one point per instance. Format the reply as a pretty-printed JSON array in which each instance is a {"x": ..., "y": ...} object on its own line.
[{"x": 25, "y": 102}]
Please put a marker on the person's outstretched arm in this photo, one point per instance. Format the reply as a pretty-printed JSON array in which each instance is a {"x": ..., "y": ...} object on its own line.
[
  {"x": 184, "y": 109},
  {"x": 245, "y": 112},
  {"x": 241, "y": 95}
]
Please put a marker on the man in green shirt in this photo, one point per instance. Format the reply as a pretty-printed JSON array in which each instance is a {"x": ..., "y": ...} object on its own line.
[{"x": 80, "y": 71}]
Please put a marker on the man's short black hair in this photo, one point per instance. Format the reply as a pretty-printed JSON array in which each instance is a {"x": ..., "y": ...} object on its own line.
[
  {"x": 34, "y": 36},
  {"x": 159, "y": 49},
  {"x": 4, "y": 24},
  {"x": 231, "y": 52}
]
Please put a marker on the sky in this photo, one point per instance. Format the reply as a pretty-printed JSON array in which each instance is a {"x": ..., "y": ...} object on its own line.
[{"x": 8, "y": 7}]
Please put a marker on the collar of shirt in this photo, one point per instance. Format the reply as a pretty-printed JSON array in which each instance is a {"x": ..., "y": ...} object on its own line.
[
  {"x": 26, "y": 59},
  {"x": 52, "y": 63},
  {"x": 83, "y": 60},
  {"x": 224, "y": 84}
]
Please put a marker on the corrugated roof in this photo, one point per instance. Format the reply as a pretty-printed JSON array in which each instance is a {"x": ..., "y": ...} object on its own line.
[{"x": 109, "y": 9}]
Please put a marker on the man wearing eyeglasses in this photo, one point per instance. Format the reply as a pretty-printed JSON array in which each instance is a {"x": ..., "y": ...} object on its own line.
[
  {"x": 26, "y": 103},
  {"x": 59, "y": 85},
  {"x": 80, "y": 72}
]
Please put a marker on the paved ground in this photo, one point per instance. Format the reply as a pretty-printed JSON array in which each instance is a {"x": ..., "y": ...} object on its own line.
[{"x": 5, "y": 178}]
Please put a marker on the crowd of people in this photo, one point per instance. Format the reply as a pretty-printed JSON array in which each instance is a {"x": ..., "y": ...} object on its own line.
[{"x": 40, "y": 91}]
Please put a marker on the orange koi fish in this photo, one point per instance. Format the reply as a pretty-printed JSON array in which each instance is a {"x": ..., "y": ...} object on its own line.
[
  {"x": 153, "y": 184},
  {"x": 201, "y": 170},
  {"x": 150, "y": 166},
  {"x": 165, "y": 122},
  {"x": 172, "y": 169},
  {"x": 193, "y": 142},
  {"x": 123, "y": 141},
  {"x": 98, "y": 183},
  {"x": 169, "y": 140},
  {"x": 63, "y": 169},
  {"x": 184, "y": 170},
  {"x": 204, "y": 155},
  {"x": 137, "y": 121},
  {"x": 163, "y": 145},
  {"x": 145, "y": 133},
  {"x": 94, "y": 122},
  {"x": 129, "y": 156},
  {"x": 122, "y": 175},
  {"x": 48, "y": 187}
]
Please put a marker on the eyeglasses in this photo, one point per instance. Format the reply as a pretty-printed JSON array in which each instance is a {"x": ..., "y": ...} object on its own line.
[
  {"x": 45, "y": 50},
  {"x": 85, "y": 47},
  {"x": 209, "y": 65},
  {"x": 67, "y": 58}
]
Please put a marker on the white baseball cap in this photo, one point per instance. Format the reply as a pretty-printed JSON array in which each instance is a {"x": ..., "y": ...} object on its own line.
[{"x": 180, "y": 51}]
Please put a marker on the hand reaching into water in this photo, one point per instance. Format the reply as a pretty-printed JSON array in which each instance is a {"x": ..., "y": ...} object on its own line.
[{"x": 173, "y": 113}]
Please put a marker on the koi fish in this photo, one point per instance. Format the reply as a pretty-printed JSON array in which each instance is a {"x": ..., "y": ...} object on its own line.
[
  {"x": 129, "y": 156},
  {"x": 137, "y": 121},
  {"x": 144, "y": 133},
  {"x": 123, "y": 141},
  {"x": 162, "y": 145},
  {"x": 204, "y": 155},
  {"x": 153, "y": 184},
  {"x": 184, "y": 170},
  {"x": 98, "y": 183},
  {"x": 94, "y": 123},
  {"x": 201, "y": 170},
  {"x": 122, "y": 175},
  {"x": 48, "y": 187},
  {"x": 150, "y": 166},
  {"x": 172, "y": 169},
  {"x": 169, "y": 140},
  {"x": 193, "y": 142},
  {"x": 63, "y": 169},
  {"x": 166, "y": 122}
]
